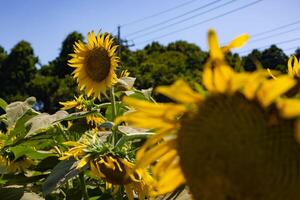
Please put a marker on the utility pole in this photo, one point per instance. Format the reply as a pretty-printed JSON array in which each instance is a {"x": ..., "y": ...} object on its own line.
[
  {"x": 122, "y": 42},
  {"x": 119, "y": 40}
]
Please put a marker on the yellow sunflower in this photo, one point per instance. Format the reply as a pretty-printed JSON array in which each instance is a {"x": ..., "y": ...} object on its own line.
[
  {"x": 236, "y": 142},
  {"x": 115, "y": 169},
  {"x": 82, "y": 104},
  {"x": 14, "y": 166},
  {"x": 95, "y": 64}
]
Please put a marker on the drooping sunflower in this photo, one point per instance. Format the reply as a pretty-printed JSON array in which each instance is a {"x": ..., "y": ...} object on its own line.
[
  {"x": 239, "y": 140},
  {"x": 95, "y": 64},
  {"x": 8, "y": 165},
  {"x": 109, "y": 164}
]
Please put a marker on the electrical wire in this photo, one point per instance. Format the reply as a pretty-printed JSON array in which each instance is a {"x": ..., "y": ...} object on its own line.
[
  {"x": 266, "y": 46},
  {"x": 159, "y": 13},
  {"x": 202, "y": 22},
  {"x": 184, "y": 20},
  {"x": 171, "y": 19}
]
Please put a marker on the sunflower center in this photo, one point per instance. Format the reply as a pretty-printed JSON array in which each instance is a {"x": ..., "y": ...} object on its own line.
[
  {"x": 232, "y": 149},
  {"x": 98, "y": 65}
]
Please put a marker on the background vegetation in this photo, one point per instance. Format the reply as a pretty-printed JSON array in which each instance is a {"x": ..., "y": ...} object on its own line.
[{"x": 22, "y": 75}]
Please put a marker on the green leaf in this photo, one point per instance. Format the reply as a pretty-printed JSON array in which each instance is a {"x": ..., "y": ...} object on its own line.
[
  {"x": 17, "y": 109},
  {"x": 77, "y": 115},
  {"x": 3, "y": 104},
  {"x": 19, "y": 128},
  {"x": 62, "y": 172},
  {"x": 21, "y": 150},
  {"x": 126, "y": 82},
  {"x": 43, "y": 122}
]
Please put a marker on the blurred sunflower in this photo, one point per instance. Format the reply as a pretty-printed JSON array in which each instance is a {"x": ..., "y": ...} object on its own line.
[
  {"x": 236, "y": 141},
  {"x": 95, "y": 64},
  {"x": 109, "y": 164},
  {"x": 294, "y": 66}
]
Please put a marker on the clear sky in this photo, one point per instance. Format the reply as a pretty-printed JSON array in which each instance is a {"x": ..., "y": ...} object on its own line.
[{"x": 45, "y": 23}]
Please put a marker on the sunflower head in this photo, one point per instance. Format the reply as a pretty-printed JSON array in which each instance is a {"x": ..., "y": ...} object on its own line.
[
  {"x": 238, "y": 141},
  {"x": 9, "y": 165},
  {"x": 95, "y": 64}
]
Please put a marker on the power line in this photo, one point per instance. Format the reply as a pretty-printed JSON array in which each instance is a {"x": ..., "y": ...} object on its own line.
[
  {"x": 183, "y": 20},
  {"x": 278, "y": 43},
  {"x": 159, "y": 13},
  {"x": 275, "y": 29},
  {"x": 274, "y": 35},
  {"x": 269, "y": 31},
  {"x": 202, "y": 22},
  {"x": 290, "y": 48},
  {"x": 173, "y": 18}
]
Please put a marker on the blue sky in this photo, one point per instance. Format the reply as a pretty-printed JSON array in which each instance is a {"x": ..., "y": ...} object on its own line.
[{"x": 46, "y": 23}]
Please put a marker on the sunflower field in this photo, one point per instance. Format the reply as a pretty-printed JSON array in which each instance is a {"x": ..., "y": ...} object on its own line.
[{"x": 231, "y": 135}]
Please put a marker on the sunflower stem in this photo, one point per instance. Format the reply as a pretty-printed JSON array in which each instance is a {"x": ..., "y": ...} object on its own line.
[
  {"x": 83, "y": 186},
  {"x": 113, "y": 113}
]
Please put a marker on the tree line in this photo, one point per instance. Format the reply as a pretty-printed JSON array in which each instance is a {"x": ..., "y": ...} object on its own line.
[{"x": 153, "y": 65}]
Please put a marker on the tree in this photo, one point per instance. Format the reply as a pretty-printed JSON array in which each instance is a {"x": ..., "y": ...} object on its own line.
[
  {"x": 250, "y": 61},
  {"x": 59, "y": 66},
  {"x": 17, "y": 69},
  {"x": 274, "y": 58}
]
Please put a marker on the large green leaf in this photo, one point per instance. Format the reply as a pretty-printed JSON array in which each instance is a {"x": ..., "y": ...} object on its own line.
[
  {"x": 62, "y": 172},
  {"x": 17, "y": 109},
  {"x": 3, "y": 104},
  {"x": 43, "y": 122},
  {"x": 25, "y": 150},
  {"x": 19, "y": 128}
]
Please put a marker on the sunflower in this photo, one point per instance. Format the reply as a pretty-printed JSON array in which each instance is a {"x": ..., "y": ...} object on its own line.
[
  {"x": 95, "y": 64},
  {"x": 109, "y": 164},
  {"x": 236, "y": 141},
  {"x": 82, "y": 104},
  {"x": 14, "y": 166}
]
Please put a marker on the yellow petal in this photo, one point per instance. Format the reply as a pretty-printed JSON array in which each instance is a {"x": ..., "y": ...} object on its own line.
[
  {"x": 238, "y": 42},
  {"x": 83, "y": 162},
  {"x": 155, "y": 153},
  {"x": 222, "y": 76},
  {"x": 272, "y": 89},
  {"x": 289, "y": 108},
  {"x": 180, "y": 91},
  {"x": 214, "y": 47}
]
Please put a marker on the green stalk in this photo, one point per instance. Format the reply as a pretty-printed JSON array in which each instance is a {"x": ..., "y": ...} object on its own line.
[
  {"x": 113, "y": 103},
  {"x": 114, "y": 114},
  {"x": 83, "y": 186}
]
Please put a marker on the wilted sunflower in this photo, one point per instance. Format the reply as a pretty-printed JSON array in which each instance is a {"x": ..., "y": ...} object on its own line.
[
  {"x": 8, "y": 165},
  {"x": 237, "y": 141},
  {"x": 95, "y": 64},
  {"x": 110, "y": 165}
]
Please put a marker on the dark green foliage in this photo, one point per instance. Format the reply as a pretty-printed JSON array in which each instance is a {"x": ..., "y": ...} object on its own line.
[
  {"x": 17, "y": 69},
  {"x": 154, "y": 65},
  {"x": 59, "y": 66}
]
